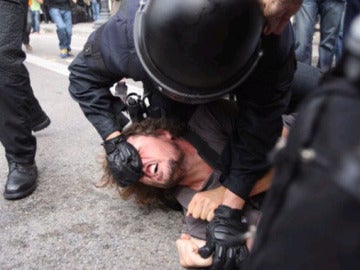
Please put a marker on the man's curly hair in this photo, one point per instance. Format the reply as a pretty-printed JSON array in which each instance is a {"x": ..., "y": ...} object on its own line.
[{"x": 143, "y": 194}]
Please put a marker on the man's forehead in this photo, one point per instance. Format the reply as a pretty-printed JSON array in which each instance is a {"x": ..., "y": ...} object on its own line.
[
  {"x": 140, "y": 141},
  {"x": 136, "y": 140}
]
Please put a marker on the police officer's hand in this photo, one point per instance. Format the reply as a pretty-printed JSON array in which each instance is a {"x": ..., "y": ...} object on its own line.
[
  {"x": 278, "y": 13},
  {"x": 124, "y": 161},
  {"x": 224, "y": 239}
]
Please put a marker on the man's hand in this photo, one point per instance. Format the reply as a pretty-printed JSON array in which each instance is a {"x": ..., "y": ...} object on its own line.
[
  {"x": 203, "y": 204},
  {"x": 225, "y": 237},
  {"x": 187, "y": 247},
  {"x": 278, "y": 13},
  {"x": 124, "y": 161}
]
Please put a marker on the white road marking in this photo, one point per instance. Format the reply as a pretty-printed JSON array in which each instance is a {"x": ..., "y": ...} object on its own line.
[
  {"x": 47, "y": 64},
  {"x": 63, "y": 69}
]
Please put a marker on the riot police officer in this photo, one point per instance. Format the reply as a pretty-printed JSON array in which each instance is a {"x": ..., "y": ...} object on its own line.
[{"x": 310, "y": 219}]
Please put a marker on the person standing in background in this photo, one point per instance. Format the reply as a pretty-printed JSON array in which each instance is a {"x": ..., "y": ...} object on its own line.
[
  {"x": 35, "y": 15},
  {"x": 95, "y": 6},
  {"x": 45, "y": 11},
  {"x": 89, "y": 13},
  {"x": 20, "y": 112},
  {"x": 330, "y": 12},
  {"x": 60, "y": 12}
]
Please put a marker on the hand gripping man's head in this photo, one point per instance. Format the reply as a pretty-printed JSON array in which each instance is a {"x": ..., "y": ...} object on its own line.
[{"x": 123, "y": 160}]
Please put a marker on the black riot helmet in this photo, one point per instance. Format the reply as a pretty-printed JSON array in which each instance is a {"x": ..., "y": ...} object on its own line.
[{"x": 198, "y": 51}]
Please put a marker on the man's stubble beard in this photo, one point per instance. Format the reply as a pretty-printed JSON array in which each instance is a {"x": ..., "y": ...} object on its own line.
[{"x": 177, "y": 172}]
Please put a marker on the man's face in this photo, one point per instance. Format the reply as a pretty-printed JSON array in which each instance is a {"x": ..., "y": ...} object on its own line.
[{"x": 162, "y": 159}]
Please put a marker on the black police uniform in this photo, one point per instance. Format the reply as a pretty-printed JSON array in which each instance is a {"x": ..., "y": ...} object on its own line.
[
  {"x": 17, "y": 100},
  {"x": 20, "y": 111},
  {"x": 311, "y": 214},
  {"x": 262, "y": 99}
]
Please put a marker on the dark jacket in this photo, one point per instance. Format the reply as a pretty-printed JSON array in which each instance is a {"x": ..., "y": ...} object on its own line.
[
  {"x": 310, "y": 216},
  {"x": 261, "y": 102},
  {"x": 262, "y": 99}
]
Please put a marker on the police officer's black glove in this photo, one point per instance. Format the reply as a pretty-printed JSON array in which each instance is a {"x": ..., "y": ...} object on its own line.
[
  {"x": 224, "y": 237},
  {"x": 124, "y": 161}
]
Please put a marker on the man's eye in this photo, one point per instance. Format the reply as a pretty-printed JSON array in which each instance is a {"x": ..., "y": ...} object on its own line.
[{"x": 154, "y": 168}]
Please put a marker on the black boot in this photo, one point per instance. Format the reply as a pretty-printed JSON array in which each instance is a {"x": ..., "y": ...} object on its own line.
[
  {"x": 41, "y": 123},
  {"x": 21, "y": 181}
]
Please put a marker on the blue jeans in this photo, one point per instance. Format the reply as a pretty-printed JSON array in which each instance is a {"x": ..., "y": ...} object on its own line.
[
  {"x": 35, "y": 15},
  {"x": 95, "y": 9},
  {"x": 62, "y": 19},
  {"x": 330, "y": 12}
]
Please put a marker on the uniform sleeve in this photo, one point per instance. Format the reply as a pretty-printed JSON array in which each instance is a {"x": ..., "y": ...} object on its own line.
[
  {"x": 262, "y": 100},
  {"x": 91, "y": 90}
]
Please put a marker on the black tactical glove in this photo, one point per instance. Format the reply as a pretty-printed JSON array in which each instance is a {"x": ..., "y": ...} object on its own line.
[
  {"x": 225, "y": 238},
  {"x": 124, "y": 161}
]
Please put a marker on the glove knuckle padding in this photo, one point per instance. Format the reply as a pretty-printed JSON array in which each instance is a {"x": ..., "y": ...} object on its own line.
[
  {"x": 219, "y": 257},
  {"x": 222, "y": 234}
]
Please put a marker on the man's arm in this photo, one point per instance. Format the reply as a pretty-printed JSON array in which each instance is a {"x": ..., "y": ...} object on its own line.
[
  {"x": 203, "y": 204},
  {"x": 278, "y": 13},
  {"x": 187, "y": 247},
  {"x": 261, "y": 104}
]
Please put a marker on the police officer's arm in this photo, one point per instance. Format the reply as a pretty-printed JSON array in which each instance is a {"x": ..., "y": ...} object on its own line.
[
  {"x": 261, "y": 104},
  {"x": 244, "y": 171},
  {"x": 278, "y": 13},
  {"x": 260, "y": 127},
  {"x": 91, "y": 90}
]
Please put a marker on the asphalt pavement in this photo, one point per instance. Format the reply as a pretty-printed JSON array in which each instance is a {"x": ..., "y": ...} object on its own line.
[{"x": 68, "y": 222}]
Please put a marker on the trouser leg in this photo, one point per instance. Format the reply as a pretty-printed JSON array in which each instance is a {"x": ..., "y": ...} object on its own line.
[
  {"x": 305, "y": 20},
  {"x": 60, "y": 27},
  {"x": 15, "y": 89},
  {"x": 27, "y": 28},
  {"x": 68, "y": 27},
  {"x": 330, "y": 15}
]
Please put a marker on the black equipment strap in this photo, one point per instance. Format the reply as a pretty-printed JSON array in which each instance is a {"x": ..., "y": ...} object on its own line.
[{"x": 203, "y": 148}]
